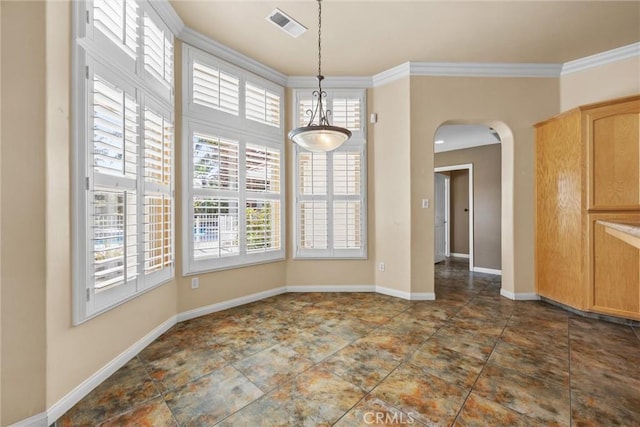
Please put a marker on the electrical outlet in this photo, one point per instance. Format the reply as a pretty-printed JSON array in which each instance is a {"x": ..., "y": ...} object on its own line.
[
  {"x": 195, "y": 283},
  {"x": 381, "y": 267}
]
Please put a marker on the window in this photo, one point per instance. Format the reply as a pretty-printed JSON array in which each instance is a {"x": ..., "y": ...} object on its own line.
[
  {"x": 123, "y": 156},
  {"x": 234, "y": 174},
  {"x": 331, "y": 187}
]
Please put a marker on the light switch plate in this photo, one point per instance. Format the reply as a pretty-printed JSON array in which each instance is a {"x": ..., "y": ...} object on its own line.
[{"x": 425, "y": 203}]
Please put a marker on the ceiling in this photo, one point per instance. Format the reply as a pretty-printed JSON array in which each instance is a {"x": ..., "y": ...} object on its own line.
[
  {"x": 363, "y": 38},
  {"x": 458, "y": 137}
]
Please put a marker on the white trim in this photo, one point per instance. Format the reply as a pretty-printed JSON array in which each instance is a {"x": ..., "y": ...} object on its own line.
[
  {"x": 203, "y": 311},
  {"x": 487, "y": 270},
  {"x": 336, "y": 82},
  {"x": 392, "y": 74},
  {"x": 457, "y": 255},
  {"x": 393, "y": 292},
  {"x": 484, "y": 69},
  {"x": 469, "y": 167},
  {"x": 423, "y": 296},
  {"x": 37, "y": 420},
  {"x": 74, "y": 396},
  {"x": 221, "y": 51},
  {"x": 332, "y": 288},
  {"x": 525, "y": 296},
  {"x": 168, "y": 15},
  {"x": 603, "y": 58}
]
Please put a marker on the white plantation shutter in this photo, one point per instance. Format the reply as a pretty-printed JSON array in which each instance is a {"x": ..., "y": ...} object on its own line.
[
  {"x": 114, "y": 238},
  {"x": 346, "y": 113},
  {"x": 216, "y": 208},
  {"x": 158, "y": 199},
  {"x": 330, "y": 187},
  {"x": 118, "y": 21},
  {"x": 216, "y": 163},
  {"x": 262, "y": 105},
  {"x": 262, "y": 169},
  {"x": 263, "y": 225},
  {"x": 215, "y": 223},
  {"x": 213, "y": 88},
  {"x": 158, "y": 52},
  {"x": 123, "y": 154},
  {"x": 115, "y": 130}
]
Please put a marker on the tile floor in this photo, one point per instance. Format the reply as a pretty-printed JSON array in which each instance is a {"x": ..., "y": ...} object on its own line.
[{"x": 471, "y": 358}]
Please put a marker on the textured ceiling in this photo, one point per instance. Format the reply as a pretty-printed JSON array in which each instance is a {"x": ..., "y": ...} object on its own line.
[{"x": 367, "y": 37}]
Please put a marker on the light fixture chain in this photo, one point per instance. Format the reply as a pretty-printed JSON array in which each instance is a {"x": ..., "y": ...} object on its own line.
[{"x": 319, "y": 37}]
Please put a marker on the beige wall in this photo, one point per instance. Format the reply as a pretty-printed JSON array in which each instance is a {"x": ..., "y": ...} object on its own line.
[
  {"x": 597, "y": 84},
  {"x": 23, "y": 209},
  {"x": 459, "y": 210},
  {"x": 392, "y": 193},
  {"x": 511, "y": 106},
  {"x": 487, "y": 201}
]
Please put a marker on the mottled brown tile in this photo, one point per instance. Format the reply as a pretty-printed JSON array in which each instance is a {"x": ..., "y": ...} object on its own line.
[
  {"x": 263, "y": 412},
  {"x": 373, "y": 411},
  {"x": 212, "y": 397},
  {"x": 183, "y": 366},
  {"x": 533, "y": 362},
  {"x": 273, "y": 366},
  {"x": 424, "y": 397},
  {"x": 611, "y": 410},
  {"x": 480, "y": 412},
  {"x": 315, "y": 397},
  {"x": 237, "y": 346},
  {"x": 154, "y": 413},
  {"x": 449, "y": 365},
  {"x": 125, "y": 389},
  {"x": 361, "y": 365},
  {"x": 547, "y": 402},
  {"x": 554, "y": 342},
  {"x": 407, "y": 323},
  {"x": 466, "y": 342}
]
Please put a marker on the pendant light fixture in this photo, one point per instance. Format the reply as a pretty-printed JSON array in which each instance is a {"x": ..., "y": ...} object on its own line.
[{"x": 319, "y": 136}]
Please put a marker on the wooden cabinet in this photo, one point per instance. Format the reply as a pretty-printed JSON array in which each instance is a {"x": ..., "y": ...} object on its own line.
[{"x": 588, "y": 168}]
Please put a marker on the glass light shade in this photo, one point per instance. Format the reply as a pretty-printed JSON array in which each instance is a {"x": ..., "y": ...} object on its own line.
[{"x": 320, "y": 138}]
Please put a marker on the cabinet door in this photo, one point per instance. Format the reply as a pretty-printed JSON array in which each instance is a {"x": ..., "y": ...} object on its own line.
[
  {"x": 613, "y": 137},
  {"x": 615, "y": 268},
  {"x": 559, "y": 255}
]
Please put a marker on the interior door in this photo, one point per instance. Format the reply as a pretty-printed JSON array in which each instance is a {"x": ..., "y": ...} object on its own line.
[{"x": 441, "y": 199}]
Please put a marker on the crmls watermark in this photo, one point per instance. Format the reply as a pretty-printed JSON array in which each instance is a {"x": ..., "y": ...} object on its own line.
[{"x": 387, "y": 418}]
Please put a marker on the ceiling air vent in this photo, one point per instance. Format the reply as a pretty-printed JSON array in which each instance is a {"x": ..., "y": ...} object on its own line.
[{"x": 286, "y": 23}]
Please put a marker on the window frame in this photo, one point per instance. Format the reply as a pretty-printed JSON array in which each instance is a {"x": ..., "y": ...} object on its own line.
[
  {"x": 357, "y": 143},
  {"x": 199, "y": 119},
  {"x": 94, "y": 53}
]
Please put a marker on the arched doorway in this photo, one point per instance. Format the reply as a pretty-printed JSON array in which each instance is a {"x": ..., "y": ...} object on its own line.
[{"x": 507, "y": 249}]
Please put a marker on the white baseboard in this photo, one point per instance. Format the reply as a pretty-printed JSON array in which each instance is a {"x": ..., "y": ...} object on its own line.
[
  {"x": 332, "y": 288},
  {"x": 38, "y": 420},
  {"x": 456, "y": 255},
  {"x": 203, "y": 311},
  {"x": 84, "y": 388},
  {"x": 487, "y": 270},
  {"x": 393, "y": 292},
  {"x": 423, "y": 296},
  {"x": 523, "y": 296}
]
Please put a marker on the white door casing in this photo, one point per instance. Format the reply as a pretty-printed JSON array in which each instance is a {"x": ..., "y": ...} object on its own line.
[{"x": 441, "y": 208}]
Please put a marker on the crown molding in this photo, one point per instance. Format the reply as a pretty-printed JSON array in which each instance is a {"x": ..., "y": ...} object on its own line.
[
  {"x": 223, "y": 52},
  {"x": 482, "y": 69},
  {"x": 168, "y": 15},
  {"x": 392, "y": 74},
  {"x": 337, "y": 82},
  {"x": 603, "y": 58}
]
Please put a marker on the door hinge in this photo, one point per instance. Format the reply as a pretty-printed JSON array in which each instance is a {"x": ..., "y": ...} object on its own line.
[
  {"x": 86, "y": 70},
  {"x": 86, "y": 13},
  {"x": 88, "y": 294},
  {"x": 86, "y": 183}
]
